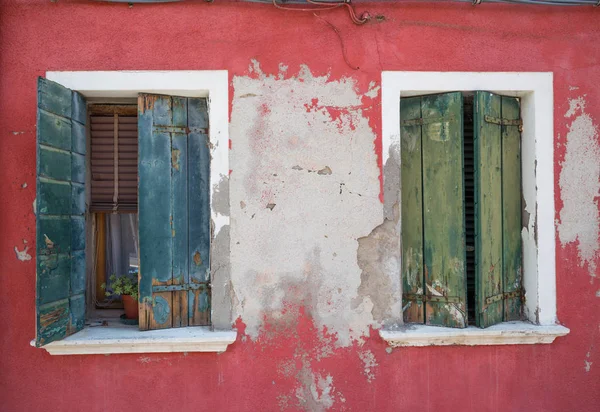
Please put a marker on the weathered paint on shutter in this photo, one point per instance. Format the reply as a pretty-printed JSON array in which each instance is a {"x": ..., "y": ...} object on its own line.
[
  {"x": 169, "y": 204},
  {"x": 488, "y": 209},
  {"x": 511, "y": 210},
  {"x": 60, "y": 212},
  {"x": 199, "y": 209},
  {"x": 412, "y": 211},
  {"x": 498, "y": 209},
  {"x": 444, "y": 252}
]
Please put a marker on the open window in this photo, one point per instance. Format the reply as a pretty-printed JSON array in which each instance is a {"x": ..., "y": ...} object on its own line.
[{"x": 162, "y": 142}]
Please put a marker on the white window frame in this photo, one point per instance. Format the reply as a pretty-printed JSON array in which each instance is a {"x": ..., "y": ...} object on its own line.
[
  {"x": 214, "y": 85},
  {"x": 537, "y": 157}
]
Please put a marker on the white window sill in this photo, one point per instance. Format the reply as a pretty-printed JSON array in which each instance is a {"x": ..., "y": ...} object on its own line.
[
  {"x": 507, "y": 333},
  {"x": 129, "y": 339}
]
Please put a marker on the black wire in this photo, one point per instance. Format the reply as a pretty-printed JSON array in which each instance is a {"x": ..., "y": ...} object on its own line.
[{"x": 333, "y": 2}]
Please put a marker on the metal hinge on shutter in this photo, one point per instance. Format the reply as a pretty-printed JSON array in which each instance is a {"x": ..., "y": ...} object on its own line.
[
  {"x": 422, "y": 121},
  {"x": 501, "y": 296},
  {"x": 504, "y": 122}
]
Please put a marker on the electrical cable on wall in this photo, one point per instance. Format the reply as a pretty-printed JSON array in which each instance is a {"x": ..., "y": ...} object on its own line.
[{"x": 594, "y": 3}]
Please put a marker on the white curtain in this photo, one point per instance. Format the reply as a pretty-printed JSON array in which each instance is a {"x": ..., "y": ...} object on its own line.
[{"x": 122, "y": 245}]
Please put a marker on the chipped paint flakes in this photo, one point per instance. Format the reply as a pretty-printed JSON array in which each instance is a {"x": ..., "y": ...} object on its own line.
[
  {"x": 369, "y": 364},
  {"x": 317, "y": 392},
  {"x": 22, "y": 255},
  {"x": 580, "y": 186},
  {"x": 587, "y": 362},
  {"x": 373, "y": 90},
  {"x": 284, "y": 258}
]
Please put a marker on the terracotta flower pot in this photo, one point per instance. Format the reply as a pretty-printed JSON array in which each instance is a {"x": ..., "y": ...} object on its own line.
[{"x": 131, "y": 306}]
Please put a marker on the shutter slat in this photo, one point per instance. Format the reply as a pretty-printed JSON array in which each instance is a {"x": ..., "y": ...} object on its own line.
[
  {"x": 155, "y": 230},
  {"x": 511, "y": 208},
  {"x": 443, "y": 210},
  {"x": 199, "y": 211},
  {"x": 412, "y": 211},
  {"x": 488, "y": 184}
]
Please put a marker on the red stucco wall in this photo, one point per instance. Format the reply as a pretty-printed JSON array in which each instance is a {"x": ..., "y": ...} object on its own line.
[{"x": 40, "y": 36}]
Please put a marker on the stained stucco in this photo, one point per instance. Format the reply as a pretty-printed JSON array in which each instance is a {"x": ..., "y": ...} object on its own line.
[
  {"x": 306, "y": 181},
  {"x": 580, "y": 186}
]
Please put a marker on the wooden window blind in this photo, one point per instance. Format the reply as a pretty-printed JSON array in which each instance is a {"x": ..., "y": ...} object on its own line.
[{"x": 114, "y": 151}]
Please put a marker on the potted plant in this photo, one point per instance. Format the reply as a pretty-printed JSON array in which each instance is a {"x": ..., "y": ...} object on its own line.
[{"x": 127, "y": 288}]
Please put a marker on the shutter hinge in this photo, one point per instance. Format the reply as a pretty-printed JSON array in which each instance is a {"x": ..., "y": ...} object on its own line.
[
  {"x": 431, "y": 298},
  {"x": 175, "y": 288},
  {"x": 421, "y": 121},
  {"x": 501, "y": 296},
  {"x": 504, "y": 122}
]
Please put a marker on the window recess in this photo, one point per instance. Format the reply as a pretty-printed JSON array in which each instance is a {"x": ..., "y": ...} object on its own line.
[
  {"x": 461, "y": 209},
  {"x": 167, "y": 142},
  {"x": 113, "y": 165}
]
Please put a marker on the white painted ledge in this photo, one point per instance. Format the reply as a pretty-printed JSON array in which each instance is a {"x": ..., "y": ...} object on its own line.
[
  {"x": 507, "y": 333},
  {"x": 129, "y": 339}
]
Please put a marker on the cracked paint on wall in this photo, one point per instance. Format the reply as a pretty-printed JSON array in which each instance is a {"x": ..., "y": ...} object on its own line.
[
  {"x": 303, "y": 252},
  {"x": 580, "y": 186},
  {"x": 22, "y": 255},
  {"x": 370, "y": 363}
]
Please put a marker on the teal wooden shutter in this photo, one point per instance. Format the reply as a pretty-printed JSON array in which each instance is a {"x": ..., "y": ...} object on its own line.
[
  {"x": 60, "y": 212},
  {"x": 174, "y": 213},
  {"x": 497, "y": 163},
  {"x": 441, "y": 216}
]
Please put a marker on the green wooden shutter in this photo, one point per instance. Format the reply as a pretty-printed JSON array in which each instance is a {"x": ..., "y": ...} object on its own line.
[
  {"x": 497, "y": 149},
  {"x": 60, "y": 212},
  {"x": 174, "y": 213},
  {"x": 440, "y": 216}
]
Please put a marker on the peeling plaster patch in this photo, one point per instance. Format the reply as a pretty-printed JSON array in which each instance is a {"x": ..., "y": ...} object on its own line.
[
  {"x": 220, "y": 197},
  {"x": 373, "y": 90},
  {"x": 24, "y": 185},
  {"x": 284, "y": 259},
  {"x": 316, "y": 392},
  {"x": 370, "y": 363},
  {"x": 22, "y": 255},
  {"x": 379, "y": 257},
  {"x": 598, "y": 293},
  {"x": 580, "y": 186},
  {"x": 587, "y": 363}
]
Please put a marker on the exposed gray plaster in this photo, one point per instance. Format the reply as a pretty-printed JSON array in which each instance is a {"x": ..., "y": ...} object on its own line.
[
  {"x": 369, "y": 364},
  {"x": 302, "y": 252},
  {"x": 222, "y": 297},
  {"x": 379, "y": 258},
  {"x": 587, "y": 363},
  {"x": 220, "y": 198},
  {"x": 316, "y": 392},
  {"x": 580, "y": 186}
]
